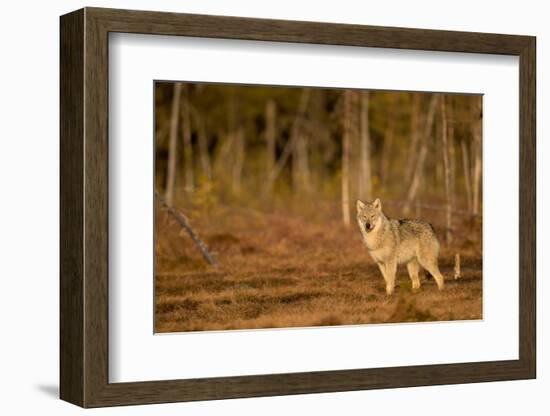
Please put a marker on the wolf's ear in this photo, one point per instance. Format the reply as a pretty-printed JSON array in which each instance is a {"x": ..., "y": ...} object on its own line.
[
  {"x": 360, "y": 205},
  {"x": 377, "y": 204}
]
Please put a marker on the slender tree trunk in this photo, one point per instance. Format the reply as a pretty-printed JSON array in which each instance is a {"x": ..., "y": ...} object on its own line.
[
  {"x": 300, "y": 161},
  {"x": 346, "y": 144},
  {"x": 415, "y": 135},
  {"x": 238, "y": 149},
  {"x": 418, "y": 208},
  {"x": 365, "y": 181},
  {"x": 452, "y": 150},
  {"x": 202, "y": 139},
  {"x": 270, "y": 134},
  {"x": 203, "y": 148},
  {"x": 289, "y": 146},
  {"x": 297, "y": 177},
  {"x": 225, "y": 155},
  {"x": 223, "y": 160},
  {"x": 447, "y": 171},
  {"x": 300, "y": 164},
  {"x": 172, "y": 146},
  {"x": 477, "y": 160},
  {"x": 419, "y": 167},
  {"x": 466, "y": 168},
  {"x": 389, "y": 136},
  {"x": 187, "y": 145}
]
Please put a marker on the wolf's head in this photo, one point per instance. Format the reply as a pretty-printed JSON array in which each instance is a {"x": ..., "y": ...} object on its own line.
[{"x": 369, "y": 215}]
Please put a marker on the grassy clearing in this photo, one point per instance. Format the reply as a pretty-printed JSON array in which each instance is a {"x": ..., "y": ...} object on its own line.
[{"x": 292, "y": 271}]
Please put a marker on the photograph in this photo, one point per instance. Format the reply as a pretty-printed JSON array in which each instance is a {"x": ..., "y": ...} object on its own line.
[
  {"x": 305, "y": 206},
  {"x": 286, "y": 203}
]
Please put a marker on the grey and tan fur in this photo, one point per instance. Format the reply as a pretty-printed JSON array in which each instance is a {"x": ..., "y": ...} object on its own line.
[{"x": 393, "y": 242}]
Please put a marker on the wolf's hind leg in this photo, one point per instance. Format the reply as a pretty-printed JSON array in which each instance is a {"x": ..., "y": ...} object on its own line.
[
  {"x": 413, "y": 268},
  {"x": 431, "y": 266}
]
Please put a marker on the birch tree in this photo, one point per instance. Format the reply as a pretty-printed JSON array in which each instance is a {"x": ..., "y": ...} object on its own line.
[
  {"x": 205, "y": 154},
  {"x": 466, "y": 170},
  {"x": 388, "y": 147},
  {"x": 422, "y": 153},
  {"x": 202, "y": 136},
  {"x": 447, "y": 171},
  {"x": 270, "y": 134},
  {"x": 172, "y": 146},
  {"x": 187, "y": 145},
  {"x": 238, "y": 161},
  {"x": 346, "y": 145},
  {"x": 416, "y": 134},
  {"x": 365, "y": 181},
  {"x": 452, "y": 150},
  {"x": 477, "y": 147},
  {"x": 297, "y": 127},
  {"x": 300, "y": 164}
]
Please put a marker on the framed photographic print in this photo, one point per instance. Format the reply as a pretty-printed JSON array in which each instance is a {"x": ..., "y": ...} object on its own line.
[{"x": 255, "y": 207}]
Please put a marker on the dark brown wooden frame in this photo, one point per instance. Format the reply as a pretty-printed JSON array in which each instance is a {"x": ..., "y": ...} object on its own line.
[{"x": 84, "y": 207}]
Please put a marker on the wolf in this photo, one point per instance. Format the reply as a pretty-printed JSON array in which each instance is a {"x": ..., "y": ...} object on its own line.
[{"x": 393, "y": 242}]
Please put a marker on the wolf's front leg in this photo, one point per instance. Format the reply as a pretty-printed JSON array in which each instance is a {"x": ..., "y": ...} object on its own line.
[
  {"x": 382, "y": 267},
  {"x": 391, "y": 269}
]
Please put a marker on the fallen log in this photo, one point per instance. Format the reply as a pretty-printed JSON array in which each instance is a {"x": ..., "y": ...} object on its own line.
[{"x": 184, "y": 223}]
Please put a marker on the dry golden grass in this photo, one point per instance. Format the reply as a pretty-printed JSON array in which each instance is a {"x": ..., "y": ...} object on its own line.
[{"x": 291, "y": 271}]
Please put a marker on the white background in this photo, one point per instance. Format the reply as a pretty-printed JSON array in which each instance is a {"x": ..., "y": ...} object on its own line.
[
  {"x": 29, "y": 218},
  {"x": 162, "y": 357}
]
